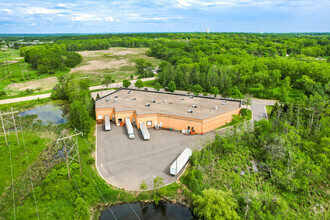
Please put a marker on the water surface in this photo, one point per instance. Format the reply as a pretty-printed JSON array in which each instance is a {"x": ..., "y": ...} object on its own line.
[
  {"x": 148, "y": 211},
  {"x": 47, "y": 113}
]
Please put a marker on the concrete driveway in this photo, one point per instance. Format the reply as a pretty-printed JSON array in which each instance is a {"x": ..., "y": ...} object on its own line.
[{"x": 125, "y": 163}]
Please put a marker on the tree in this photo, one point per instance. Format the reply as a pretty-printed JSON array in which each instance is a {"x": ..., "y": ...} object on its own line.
[
  {"x": 171, "y": 86},
  {"x": 80, "y": 209},
  {"x": 126, "y": 83},
  {"x": 197, "y": 89},
  {"x": 235, "y": 93},
  {"x": 157, "y": 86},
  {"x": 215, "y": 91},
  {"x": 215, "y": 204},
  {"x": 248, "y": 100},
  {"x": 143, "y": 186},
  {"x": 139, "y": 83},
  {"x": 107, "y": 80},
  {"x": 97, "y": 96}
]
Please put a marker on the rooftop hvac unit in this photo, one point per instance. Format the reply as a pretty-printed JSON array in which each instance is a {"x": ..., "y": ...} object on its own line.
[
  {"x": 161, "y": 109},
  {"x": 114, "y": 101},
  {"x": 190, "y": 111},
  {"x": 129, "y": 92},
  {"x": 108, "y": 99},
  {"x": 191, "y": 96},
  {"x": 134, "y": 98},
  {"x": 153, "y": 101},
  {"x": 181, "y": 98},
  {"x": 147, "y": 105}
]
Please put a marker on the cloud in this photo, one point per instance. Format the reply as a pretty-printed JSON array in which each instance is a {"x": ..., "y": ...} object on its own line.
[
  {"x": 90, "y": 17},
  {"x": 109, "y": 19},
  {"x": 41, "y": 10},
  {"x": 184, "y": 3},
  {"x": 6, "y": 10}
]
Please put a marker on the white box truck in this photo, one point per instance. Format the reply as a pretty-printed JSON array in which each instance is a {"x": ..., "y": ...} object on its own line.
[
  {"x": 179, "y": 163},
  {"x": 129, "y": 128},
  {"x": 107, "y": 126},
  {"x": 144, "y": 131}
]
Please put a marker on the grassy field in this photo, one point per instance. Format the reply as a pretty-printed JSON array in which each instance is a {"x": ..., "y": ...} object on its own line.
[{"x": 117, "y": 62}]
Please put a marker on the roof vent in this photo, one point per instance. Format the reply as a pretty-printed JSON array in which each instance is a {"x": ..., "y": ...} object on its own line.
[
  {"x": 216, "y": 107},
  {"x": 181, "y": 98},
  {"x": 116, "y": 96},
  {"x": 153, "y": 101},
  {"x": 114, "y": 101},
  {"x": 170, "y": 102},
  {"x": 108, "y": 99},
  {"x": 147, "y": 105},
  {"x": 194, "y": 106},
  {"x": 223, "y": 102},
  {"x": 134, "y": 98},
  {"x": 191, "y": 96},
  {"x": 129, "y": 92},
  {"x": 190, "y": 111}
]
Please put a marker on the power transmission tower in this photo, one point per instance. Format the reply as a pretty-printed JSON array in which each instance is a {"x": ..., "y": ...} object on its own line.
[
  {"x": 9, "y": 119},
  {"x": 70, "y": 143}
]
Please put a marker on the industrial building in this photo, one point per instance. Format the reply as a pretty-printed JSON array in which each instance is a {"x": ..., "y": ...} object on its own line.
[{"x": 194, "y": 114}]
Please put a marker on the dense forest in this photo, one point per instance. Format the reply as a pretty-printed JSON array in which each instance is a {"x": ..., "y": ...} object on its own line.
[
  {"x": 271, "y": 169},
  {"x": 49, "y": 58}
]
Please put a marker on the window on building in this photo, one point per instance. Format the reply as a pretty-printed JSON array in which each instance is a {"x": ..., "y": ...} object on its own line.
[
  {"x": 149, "y": 123},
  {"x": 99, "y": 117}
]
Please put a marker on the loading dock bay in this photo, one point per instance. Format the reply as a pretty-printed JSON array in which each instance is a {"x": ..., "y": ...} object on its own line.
[{"x": 125, "y": 163}]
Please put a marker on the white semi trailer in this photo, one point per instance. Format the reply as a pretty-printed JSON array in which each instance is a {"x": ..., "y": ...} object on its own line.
[
  {"x": 180, "y": 161},
  {"x": 129, "y": 128},
  {"x": 107, "y": 126},
  {"x": 144, "y": 131}
]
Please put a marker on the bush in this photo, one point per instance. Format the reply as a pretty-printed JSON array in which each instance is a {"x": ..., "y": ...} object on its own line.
[{"x": 246, "y": 114}]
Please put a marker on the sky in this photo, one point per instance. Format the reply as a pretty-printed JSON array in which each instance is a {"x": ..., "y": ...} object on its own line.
[{"x": 119, "y": 16}]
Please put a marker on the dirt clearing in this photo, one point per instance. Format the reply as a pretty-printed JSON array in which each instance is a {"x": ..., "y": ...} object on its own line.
[
  {"x": 40, "y": 84},
  {"x": 119, "y": 62}
]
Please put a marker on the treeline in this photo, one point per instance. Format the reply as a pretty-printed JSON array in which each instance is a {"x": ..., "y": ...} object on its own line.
[
  {"x": 91, "y": 44},
  {"x": 268, "y": 74},
  {"x": 49, "y": 58}
]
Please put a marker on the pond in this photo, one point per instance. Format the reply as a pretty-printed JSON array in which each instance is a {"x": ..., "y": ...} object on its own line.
[
  {"x": 50, "y": 112},
  {"x": 147, "y": 211}
]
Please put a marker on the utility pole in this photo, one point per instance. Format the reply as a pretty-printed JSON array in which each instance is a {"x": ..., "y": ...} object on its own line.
[
  {"x": 71, "y": 147},
  {"x": 10, "y": 120}
]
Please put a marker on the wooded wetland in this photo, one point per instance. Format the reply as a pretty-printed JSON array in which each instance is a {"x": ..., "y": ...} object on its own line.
[{"x": 269, "y": 169}]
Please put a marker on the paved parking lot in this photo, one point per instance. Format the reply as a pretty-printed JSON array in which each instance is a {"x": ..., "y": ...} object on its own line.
[{"x": 125, "y": 163}]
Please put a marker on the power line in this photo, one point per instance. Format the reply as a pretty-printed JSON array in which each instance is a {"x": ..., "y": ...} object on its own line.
[
  {"x": 81, "y": 196},
  {"x": 27, "y": 160},
  {"x": 138, "y": 217},
  {"x": 12, "y": 177},
  {"x": 99, "y": 191}
]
